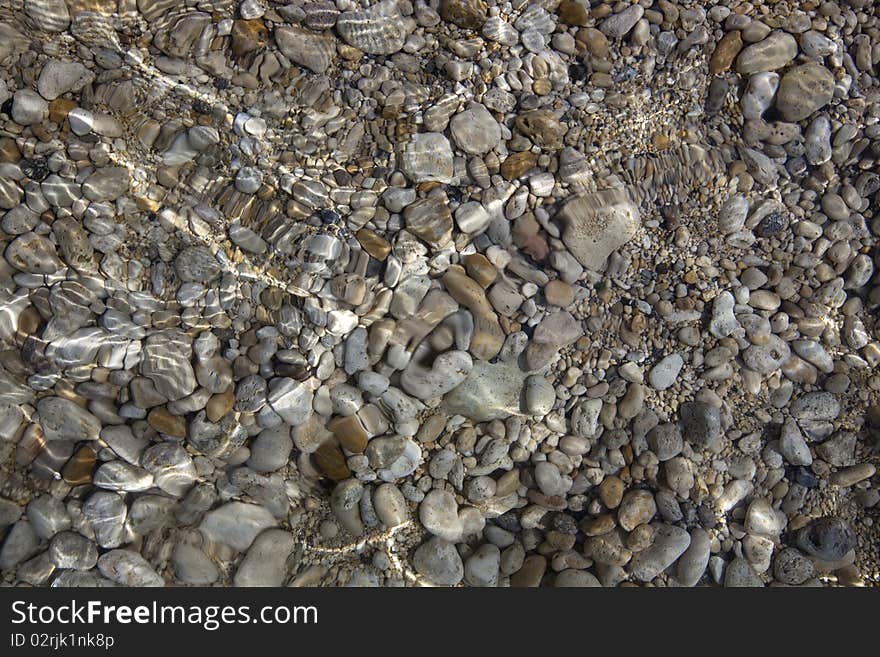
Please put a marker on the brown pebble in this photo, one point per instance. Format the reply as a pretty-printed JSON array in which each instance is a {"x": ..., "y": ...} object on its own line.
[
  {"x": 78, "y": 470},
  {"x": 350, "y": 432},
  {"x": 219, "y": 405},
  {"x": 595, "y": 41},
  {"x": 559, "y": 293},
  {"x": 611, "y": 492},
  {"x": 331, "y": 461},
  {"x": 374, "y": 244},
  {"x": 248, "y": 35},
  {"x": 480, "y": 269},
  {"x": 640, "y": 538},
  {"x": 164, "y": 422},
  {"x": 518, "y": 165},
  {"x": 8, "y": 150},
  {"x": 530, "y": 574},
  {"x": 725, "y": 52},
  {"x": 59, "y": 108},
  {"x": 598, "y": 526},
  {"x": 571, "y": 12}
]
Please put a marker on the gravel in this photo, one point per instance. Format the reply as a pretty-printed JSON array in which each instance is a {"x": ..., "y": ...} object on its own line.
[{"x": 439, "y": 294}]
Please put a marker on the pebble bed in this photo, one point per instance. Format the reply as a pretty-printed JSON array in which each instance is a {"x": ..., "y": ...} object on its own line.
[{"x": 565, "y": 293}]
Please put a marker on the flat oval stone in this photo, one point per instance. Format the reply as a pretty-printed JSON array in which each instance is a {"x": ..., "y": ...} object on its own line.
[
  {"x": 597, "y": 224},
  {"x": 196, "y": 264},
  {"x": 34, "y": 254},
  {"x": 390, "y": 505},
  {"x": 106, "y": 184},
  {"x": 803, "y": 90},
  {"x": 128, "y": 568},
  {"x": 236, "y": 524},
  {"x": 769, "y": 54},
  {"x": 670, "y": 542},
  {"x": 438, "y": 562},
  {"x": 62, "y": 419},
  {"x": 475, "y": 130},
  {"x": 265, "y": 563},
  {"x": 377, "y": 31}
]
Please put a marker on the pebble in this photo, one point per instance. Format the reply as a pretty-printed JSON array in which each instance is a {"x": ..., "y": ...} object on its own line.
[
  {"x": 792, "y": 445},
  {"x": 59, "y": 77},
  {"x": 763, "y": 520},
  {"x": 723, "y": 321},
  {"x": 106, "y": 512},
  {"x": 271, "y": 449},
  {"x": 71, "y": 551},
  {"x": 28, "y": 107},
  {"x": 47, "y": 516},
  {"x": 490, "y": 391},
  {"x": 759, "y": 95},
  {"x": 725, "y": 52},
  {"x": 816, "y": 406},
  {"x": 314, "y": 51},
  {"x": 665, "y": 440},
  {"x": 852, "y": 475},
  {"x": 596, "y": 225},
  {"x": 390, "y": 505},
  {"x": 193, "y": 566},
  {"x": 636, "y": 508},
  {"x": 739, "y": 573},
  {"x": 482, "y": 567},
  {"x": 33, "y": 253},
  {"x": 769, "y": 54},
  {"x": 61, "y": 419},
  {"x": 474, "y": 130},
  {"x": 619, "y": 24},
  {"x": 791, "y": 567},
  {"x": 803, "y": 90},
  {"x": 670, "y": 543},
  {"x": 236, "y": 524},
  {"x": 531, "y": 573},
  {"x": 106, "y": 184},
  {"x": 377, "y": 31},
  {"x": 817, "y": 141},
  {"x": 693, "y": 561},
  {"x": 427, "y": 157},
  {"x": 128, "y": 568},
  {"x": 438, "y": 513},
  {"x": 701, "y": 424},
  {"x": 539, "y": 395},
  {"x": 438, "y": 562},
  {"x": 265, "y": 563},
  {"x": 665, "y": 373}
]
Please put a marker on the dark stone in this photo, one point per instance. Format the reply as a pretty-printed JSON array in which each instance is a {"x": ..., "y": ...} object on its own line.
[
  {"x": 578, "y": 73},
  {"x": 718, "y": 89},
  {"x": 773, "y": 224},
  {"x": 201, "y": 107},
  {"x": 328, "y": 217},
  {"x": 828, "y": 539},
  {"x": 806, "y": 478},
  {"x": 701, "y": 423},
  {"x": 564, "y": 524},
  {"x": 792, "y": 568},
  {"x": 625, "y": 74},
  {"x": 374, "y": 267},
  {"x": 455, "y": 194},
  {"x": 33, "y": 169},
  {"x": 706, "y": 516},
  {"x": 508, "y": 521}
]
